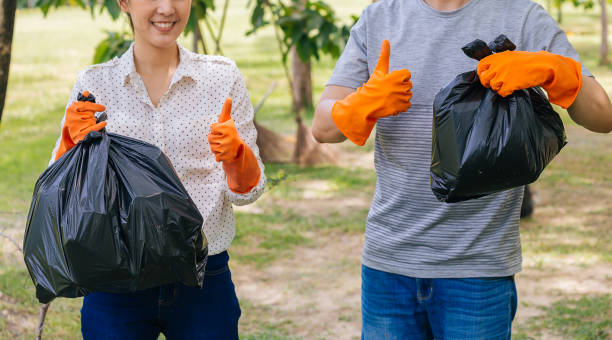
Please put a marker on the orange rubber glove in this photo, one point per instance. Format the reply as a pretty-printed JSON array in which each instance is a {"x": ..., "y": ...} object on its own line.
[
  {"x": 79, "y": 121},
  {"x": 508, "y": 71},
  {"x": 384, "y": 94},
  {"x": 239, "y": 161}
]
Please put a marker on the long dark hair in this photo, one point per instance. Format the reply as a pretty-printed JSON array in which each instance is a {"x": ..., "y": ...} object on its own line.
[
  {"x": 129, "y": 17},
  {"x": 131, "y": 23}
]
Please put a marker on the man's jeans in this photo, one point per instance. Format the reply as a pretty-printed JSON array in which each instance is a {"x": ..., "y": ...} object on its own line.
[
  {"x": 397, "y": 307},
  {"x": 180, "y": 312}
]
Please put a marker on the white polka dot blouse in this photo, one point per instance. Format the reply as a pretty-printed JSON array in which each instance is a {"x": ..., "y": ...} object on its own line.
[{"x": 179, "y": 126}]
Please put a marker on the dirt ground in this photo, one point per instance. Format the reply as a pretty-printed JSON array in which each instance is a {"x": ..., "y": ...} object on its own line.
[
  {"x": 316, "y": 293},
  {"x": 319, "y": 288}
]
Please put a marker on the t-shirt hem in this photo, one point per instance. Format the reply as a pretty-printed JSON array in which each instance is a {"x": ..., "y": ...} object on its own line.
[{"x": 446, "y": 272}]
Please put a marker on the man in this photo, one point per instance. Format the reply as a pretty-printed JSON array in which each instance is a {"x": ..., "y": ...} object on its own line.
[{"x": 432, "y": 269}]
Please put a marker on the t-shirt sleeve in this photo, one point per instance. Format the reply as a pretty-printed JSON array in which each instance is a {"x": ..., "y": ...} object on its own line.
[
  {"x": 541, "y": 32},
  {"x": 352, "y": 67}
]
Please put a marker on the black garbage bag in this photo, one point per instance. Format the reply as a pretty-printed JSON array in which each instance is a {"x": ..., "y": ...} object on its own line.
[
  {"x": 483, "y": 143},
  {"x": 111, "y": 215}
]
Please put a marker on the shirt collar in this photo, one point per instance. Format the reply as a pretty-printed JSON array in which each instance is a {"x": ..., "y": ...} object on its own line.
[
  {"x": 127, "y": 68},
  {"x": 186, "y": 67}
]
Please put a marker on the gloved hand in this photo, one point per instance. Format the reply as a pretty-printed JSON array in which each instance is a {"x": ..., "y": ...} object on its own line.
[
  {"x": 239, "y": 161},
  {"x": 508, "y": 71},
  {"x": 78, "y": 122},
  {"x": 384, "y": 94}
]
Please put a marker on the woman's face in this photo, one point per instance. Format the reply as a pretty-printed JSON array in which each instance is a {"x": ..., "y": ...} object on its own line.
[{"x": 157, "y": 22}]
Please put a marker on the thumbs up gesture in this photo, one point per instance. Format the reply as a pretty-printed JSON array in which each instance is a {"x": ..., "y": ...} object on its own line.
[
  {"x": 384, "y": 94},
  {"x": 393, "y": 88},
  {"x": 223, "y": 138},
  {"x": 239, "y": 162}
]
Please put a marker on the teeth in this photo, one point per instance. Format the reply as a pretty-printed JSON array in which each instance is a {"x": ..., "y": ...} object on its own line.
[{"x": 163, "y": 24}]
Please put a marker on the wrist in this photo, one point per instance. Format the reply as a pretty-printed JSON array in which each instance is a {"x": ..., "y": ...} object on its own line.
[
  {"x": 243, "y": 173},
  {"x": 352, "y": 123},
  {"x": 566, "y": 81}
]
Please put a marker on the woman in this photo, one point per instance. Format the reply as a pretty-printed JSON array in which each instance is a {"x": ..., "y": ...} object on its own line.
[{"x": 161, "y": 93}]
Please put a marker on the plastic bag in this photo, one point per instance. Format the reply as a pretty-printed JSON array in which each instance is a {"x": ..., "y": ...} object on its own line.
[
  {"x": 112, "y": 215},
  {"x": 483, "y": 143}
]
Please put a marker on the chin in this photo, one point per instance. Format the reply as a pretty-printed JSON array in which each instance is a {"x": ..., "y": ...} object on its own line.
[
  {"x": 166, "y": 41},
  {"x": 157, "y": 40}
]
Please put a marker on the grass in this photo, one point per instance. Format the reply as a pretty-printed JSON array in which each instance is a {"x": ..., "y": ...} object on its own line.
[
  {"x": 272, "y": 233},
  {"x": 302, "y": 205},
  {"x": 47, "y": 54},
  {"x": 587, "y": 318}
]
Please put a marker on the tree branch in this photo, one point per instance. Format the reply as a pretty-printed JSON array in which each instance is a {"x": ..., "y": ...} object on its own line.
[
  {"x": 199, "y": 35},
  {"x": 41, "y": 320},
  {"x": 221, "y": 25},
  {"x": 266, "y": 95},
  {"x": 43, "y": 308},
  {"x": 284, "y": 60},
  {"x": 12, "y": 241}
]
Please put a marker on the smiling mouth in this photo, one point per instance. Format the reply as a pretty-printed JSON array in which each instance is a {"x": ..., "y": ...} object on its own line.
[{"x": 164, "y": 25}]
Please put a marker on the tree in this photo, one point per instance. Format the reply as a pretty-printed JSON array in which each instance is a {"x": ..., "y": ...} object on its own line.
[
  {"x": 588, "y": 4},
  {"x": 7, "y": 24},
  {"x": 200, "y": 12},
  {"x": 604, "y": 34},
  {"x": 304, "y": 29},
  {"x": 558, "y": 5}
]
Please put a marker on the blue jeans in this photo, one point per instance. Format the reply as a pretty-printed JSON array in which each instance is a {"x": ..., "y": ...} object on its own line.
[
  {"x": 177, "y": 311},
  {"x": 400, "y": 307}
]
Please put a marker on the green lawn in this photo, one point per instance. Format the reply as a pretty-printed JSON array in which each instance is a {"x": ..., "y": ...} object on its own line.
[{"x": 307, "y": 206}]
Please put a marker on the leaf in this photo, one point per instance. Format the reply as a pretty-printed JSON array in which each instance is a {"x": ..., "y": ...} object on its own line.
[
  {"x": 257, "y": 17},
  {"x": 191, "y": 21},
  {"x": 44, "y": 6},
  {"x": 304, "y": 49},
  {"x": 314, "y": 21},
  {"x": 112, "y": 7},
  {"x": 100, "y": 52},
  {"x": 81, "y": 4},
  {"x": 324, "y": 34},
  {"x": 311, "y": 27},
  {"x": 114, "y": 45}
]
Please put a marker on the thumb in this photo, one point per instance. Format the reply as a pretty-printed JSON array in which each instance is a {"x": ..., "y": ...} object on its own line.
[
  {"x": 383, "y": 59},
  {"x": 226, "y": 111}
]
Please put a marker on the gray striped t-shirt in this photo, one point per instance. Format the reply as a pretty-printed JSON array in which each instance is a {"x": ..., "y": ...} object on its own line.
[{"x": 408, "y": 231}]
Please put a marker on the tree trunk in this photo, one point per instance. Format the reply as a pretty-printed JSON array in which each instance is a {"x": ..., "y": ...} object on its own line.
[
  {"x": 302, "y": 98},
  {"x": 198, "y": 37},
  {"x": 302, "y": 82},
  {"x": 7, "y": 23},
  {"x": 308, "y": 151},
  {"x": 273, "y": 148},
  {"x": 559, "y": 12},
  {"x": 604, "y": 34},
  {"x": 196, "y": 40}
]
